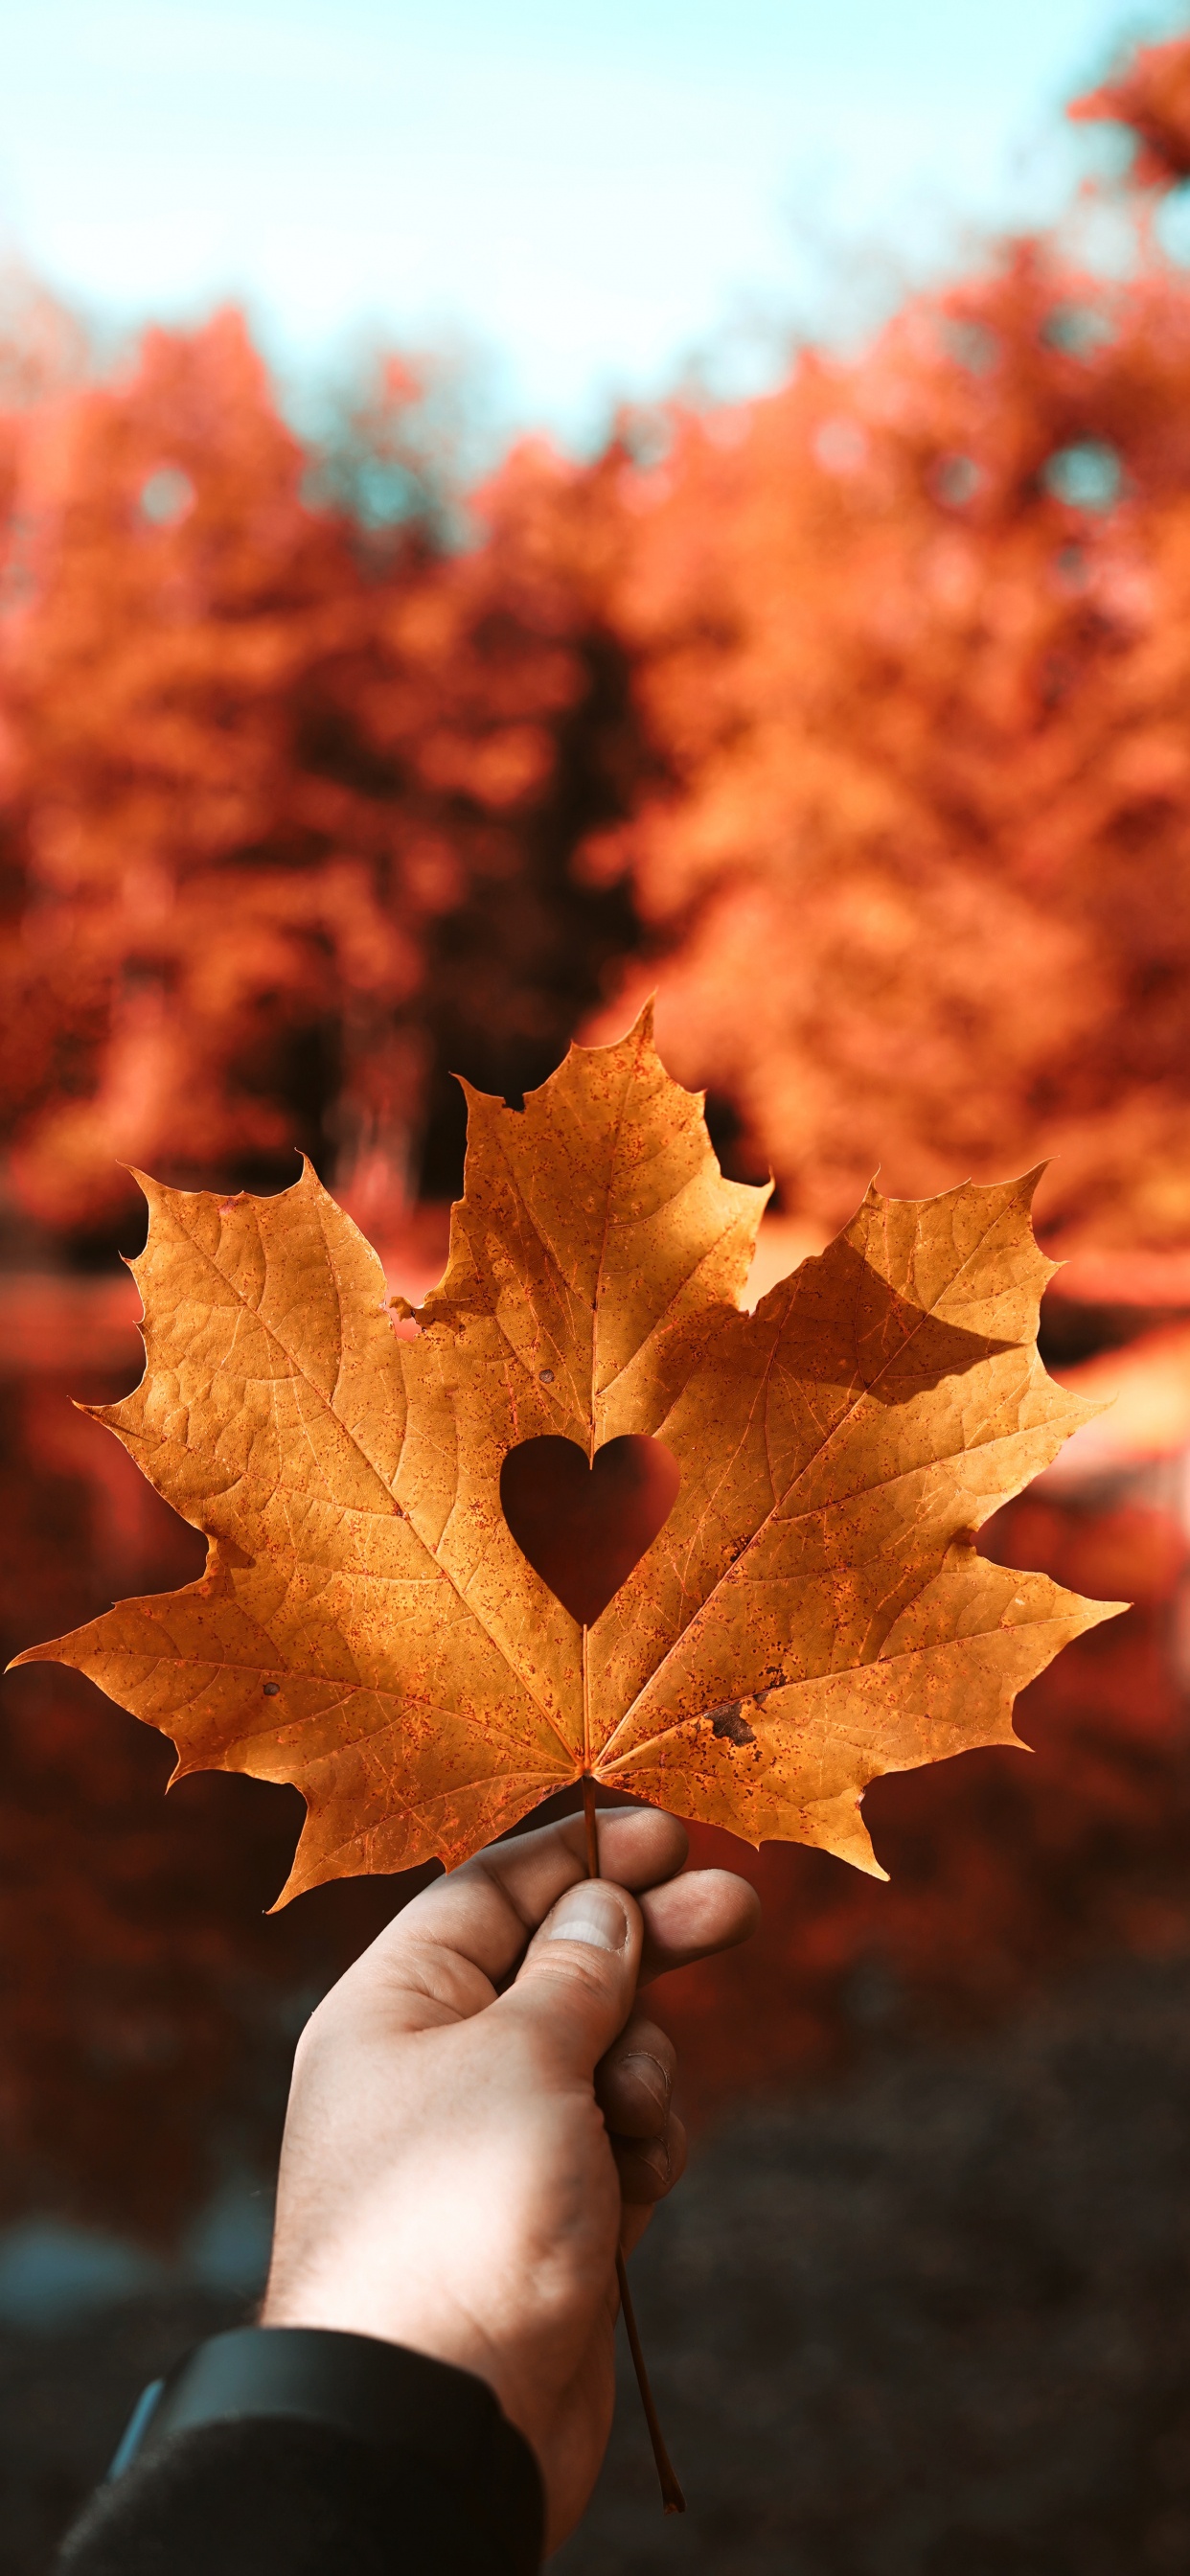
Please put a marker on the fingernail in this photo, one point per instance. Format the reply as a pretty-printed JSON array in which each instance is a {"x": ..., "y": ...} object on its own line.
[
  {"x": 589, "y": 1913},
  {"x": 650, "y": 2072},
  {"x": 654, "y": 2152}
]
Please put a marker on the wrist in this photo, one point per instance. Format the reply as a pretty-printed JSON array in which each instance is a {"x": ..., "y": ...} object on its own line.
[
  {"x": 434, "y": 2436},
  {"x": 327, "y": 2303}
]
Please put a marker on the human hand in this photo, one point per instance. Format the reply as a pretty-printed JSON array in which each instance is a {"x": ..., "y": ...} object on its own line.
[{"x": 479, "y": 2116}]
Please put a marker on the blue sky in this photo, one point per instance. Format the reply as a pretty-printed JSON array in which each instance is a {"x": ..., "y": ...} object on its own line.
[{"x": 588, "y": 193}]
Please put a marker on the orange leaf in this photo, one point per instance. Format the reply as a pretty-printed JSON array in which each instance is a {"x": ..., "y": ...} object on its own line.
[{"x": 810, "y": 1613}]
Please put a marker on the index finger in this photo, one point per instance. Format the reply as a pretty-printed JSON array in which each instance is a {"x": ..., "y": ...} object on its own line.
[{"x": 486, "y": 1912}]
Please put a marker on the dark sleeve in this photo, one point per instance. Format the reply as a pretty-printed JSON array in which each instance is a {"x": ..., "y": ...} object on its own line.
[{"x": 289, "y": 2450}]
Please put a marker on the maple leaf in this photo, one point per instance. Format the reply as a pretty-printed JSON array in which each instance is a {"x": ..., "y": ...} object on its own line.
[{"x": 812, "y": 1612}]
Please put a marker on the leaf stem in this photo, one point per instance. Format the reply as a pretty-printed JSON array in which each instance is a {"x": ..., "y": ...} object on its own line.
[
  {"x": 593, "y": 1870},
  {"x": 672, "y": 2497}
]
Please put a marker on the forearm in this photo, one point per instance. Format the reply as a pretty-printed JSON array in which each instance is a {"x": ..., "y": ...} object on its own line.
[{"x": 305, "y": 2452}]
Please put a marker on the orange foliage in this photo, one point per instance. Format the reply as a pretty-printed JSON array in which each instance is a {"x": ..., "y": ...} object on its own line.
[
  {"x": 147, "y": 2008},
  {"x": 867, "y": 700},
  {"x": 251, "y": 766},
  {"x": 1002, "y": 1873},
  {"x": 863, "y": 709},
  {"x": 913, "y": 639},
  {"x": 1152, "y": 95},
  {"x": 149, "y": 2004}
]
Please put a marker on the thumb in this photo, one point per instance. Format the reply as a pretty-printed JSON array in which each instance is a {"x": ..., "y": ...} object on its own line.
[{"x": 577, "y": 1981}]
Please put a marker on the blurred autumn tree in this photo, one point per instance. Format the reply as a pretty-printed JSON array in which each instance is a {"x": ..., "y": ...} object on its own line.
[
  {"x": 857, "y": 716},
  {"x": 288, "y": 802},
  {"x": 912, "y": 642}
]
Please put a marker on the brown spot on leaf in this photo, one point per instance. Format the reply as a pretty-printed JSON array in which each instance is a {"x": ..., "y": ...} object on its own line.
[{"x": 730, "y": 1721}]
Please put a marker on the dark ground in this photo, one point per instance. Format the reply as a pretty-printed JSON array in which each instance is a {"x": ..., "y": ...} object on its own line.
[
  {"x": 934, "y": 2322},
  {"x": 937, "y": 2324}
]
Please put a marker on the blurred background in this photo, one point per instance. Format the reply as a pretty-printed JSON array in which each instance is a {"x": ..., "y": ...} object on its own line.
[{"x": 496, "y": 517}]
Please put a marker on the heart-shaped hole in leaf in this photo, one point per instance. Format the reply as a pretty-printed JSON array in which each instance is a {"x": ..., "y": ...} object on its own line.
[{"x": 583, "y": 1528}]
